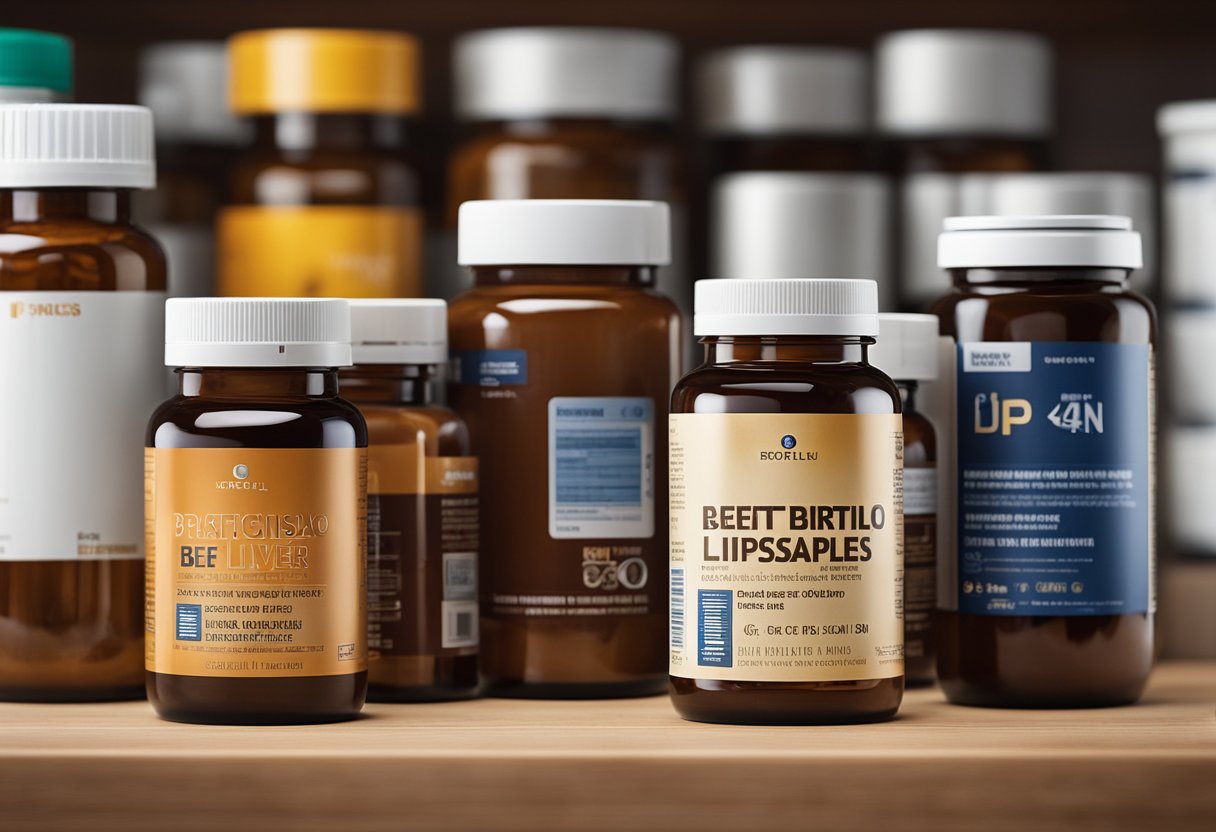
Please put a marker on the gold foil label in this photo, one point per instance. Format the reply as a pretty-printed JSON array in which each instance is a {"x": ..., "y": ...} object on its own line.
[
  {"x": 344, "y": 251},
  {"x": 786, "y": 546},
  {"x": 256, "y": 561}
]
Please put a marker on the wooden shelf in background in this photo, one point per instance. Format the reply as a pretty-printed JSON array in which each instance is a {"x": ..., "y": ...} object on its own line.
[{"x": 617, "y": 765}]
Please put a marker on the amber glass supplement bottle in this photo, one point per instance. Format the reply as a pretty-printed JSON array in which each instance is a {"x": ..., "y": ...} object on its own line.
[
  {"x": 1046, "y": 595},
  {"x": 789, "y": 108},
  {"x": 35, "y": 67},
  {"x": 564, "y": 356},
  {"x": 567, "y": 113},
  {"x": 786, "y": 510},
  {"x": 953, "y": 101},
  {"x": 907, "y": 352},
  {"x": 325, "y": 203},
  {"x": 422, "y": 506},
  {"x": 198, "y": 140},
  {"x": 256, "y": 487},
  {"x": 82, "y": 293}
]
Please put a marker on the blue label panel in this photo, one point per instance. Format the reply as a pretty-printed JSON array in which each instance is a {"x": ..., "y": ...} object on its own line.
[
  {"x": 189, "y": 622},
  {"x": 714, "y": 609},
  {"x": 490, "y": 368},
  {"x": 1054, "y": 479}
]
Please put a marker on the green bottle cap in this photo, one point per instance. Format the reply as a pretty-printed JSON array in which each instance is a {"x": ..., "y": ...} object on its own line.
[{"x": 37, "y": 60}]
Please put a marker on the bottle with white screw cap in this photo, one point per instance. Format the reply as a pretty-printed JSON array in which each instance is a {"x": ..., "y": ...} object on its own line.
[
  {"x": 83, "y": 293},
  {"x": 257, "y": 517},
  {"x": 1046, "y": 591},
  {"x": 786, "y": 471},
  {"x": 951, "y": 101},
  {"x": 797, "y": 108},
  {"x": 564, "y": 357},
  {"x": 907, "y": 352},
  {"x": 422, "y": 529},
  {"x": 567, "y": 113},
  {"x": 185, "y": 84}
]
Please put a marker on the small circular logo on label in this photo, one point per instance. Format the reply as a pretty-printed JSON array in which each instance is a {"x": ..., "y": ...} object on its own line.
[
  {"x": 241, "y": 472},
  {"x": 788, "y": 441}
]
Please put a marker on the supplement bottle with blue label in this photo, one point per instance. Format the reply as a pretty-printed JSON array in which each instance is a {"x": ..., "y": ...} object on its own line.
[
  {"x": 422, "y": 516},
  {"x": 564, "y": 357},
  {"x": 786, "y": 510},
  {"x": 256, "y": 494},
  {"x": 1046, "y": 596}
]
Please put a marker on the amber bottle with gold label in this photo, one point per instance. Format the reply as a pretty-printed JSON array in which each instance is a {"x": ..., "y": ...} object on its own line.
[
  {"x": 256, "y": 518},
  {"x": 787, "y": 510},
  {"x": 81, "y": 318},
  {"x": 422, "y": 506},
  {"x": 325, "y": 202}
]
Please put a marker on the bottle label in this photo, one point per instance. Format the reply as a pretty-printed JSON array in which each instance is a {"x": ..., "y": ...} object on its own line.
[
  {"x": 422, "y": 553},
  {"x": 1055, "y": 490},
  {"x": 601, "y": 467},
  {"x": 490, "y": 368},
  {"x": 786, "y": 547},
  {"x": 920, "y": 559},
  {"x": 81, "y": 372},
  {"x": 344, "y": 251},
  {"x": 255, "y": 563}
]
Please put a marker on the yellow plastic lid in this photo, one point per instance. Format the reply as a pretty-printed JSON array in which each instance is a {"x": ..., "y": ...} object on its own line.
[{"x": 323, "y": 71}]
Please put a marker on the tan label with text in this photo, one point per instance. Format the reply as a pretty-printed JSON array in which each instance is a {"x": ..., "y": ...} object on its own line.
[
  {"x": 256, "y": 561},
  {"x": 786, "y": 546}
]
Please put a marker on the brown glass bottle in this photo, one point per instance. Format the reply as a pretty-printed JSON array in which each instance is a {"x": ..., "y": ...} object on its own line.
[
  {"x": 422, "y": 507},
  {"x": 325, "y": 203},
  {"x": 277, "y": 423},
  {"x": 580, "y": 614},
  {"x": 787, "y": 375},
  {"x": 1048, "y": 661},
  {"x": 920, "y": 546},
  {"x": 71, "y": 589}
]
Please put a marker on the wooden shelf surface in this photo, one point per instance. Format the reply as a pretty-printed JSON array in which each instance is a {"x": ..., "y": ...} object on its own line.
[{"x": 631, "y": 764}]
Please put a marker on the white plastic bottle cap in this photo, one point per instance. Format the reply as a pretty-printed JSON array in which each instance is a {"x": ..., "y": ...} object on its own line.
[
  {"x": 257, "y": 332},
  {"x": 565, "y": 71},
  {"x": 399, "y": 331},
  {"x": 76, "y": 146},
  {"x": 1083, "y": 241},
  {"x": 785, "y": 90},
  {"x": 786, "y": 307},
  {"x": 554, "y": 232},
  {"x": 185, "y": 84},
  {"x": 1040, "y": 194},
  {"x": 907, "y": 347},
  {"x": 777, "y": 226},
  {"x": 941, "y": 82}
]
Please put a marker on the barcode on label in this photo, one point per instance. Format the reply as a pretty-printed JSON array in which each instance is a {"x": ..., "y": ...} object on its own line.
[
  {"x": 677, "y": 609},
  {"x": 459, "y": 623},
  {"x": 459, "y": 576}
]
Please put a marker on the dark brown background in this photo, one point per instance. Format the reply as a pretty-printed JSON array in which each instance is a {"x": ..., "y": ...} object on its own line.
[{"x": 1117, "y": 60}]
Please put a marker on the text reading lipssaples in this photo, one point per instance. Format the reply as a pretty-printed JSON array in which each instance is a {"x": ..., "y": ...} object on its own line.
[
  {"x": 841, "y": 534},
  {"x": 256, "y": 542}
]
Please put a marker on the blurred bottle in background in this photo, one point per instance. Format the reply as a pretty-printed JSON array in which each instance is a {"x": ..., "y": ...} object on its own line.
[
  {"x": 1188, "y": 309},
  {"x": 953, "y": 101},
  {"x": 35, "y": 67},
  {"x": 185, "y": 84},
  {"x": 792, "y": 108},
  {"x": 775, "y": 226},
  {"x": 566, "y": 113},
  {"x": 325, "y": 202}
]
